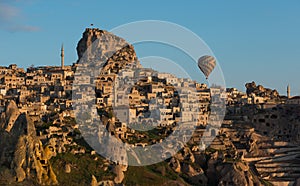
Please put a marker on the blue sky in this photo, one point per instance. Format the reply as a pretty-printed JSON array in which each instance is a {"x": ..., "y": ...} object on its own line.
[{"x": 253, "y": 41}]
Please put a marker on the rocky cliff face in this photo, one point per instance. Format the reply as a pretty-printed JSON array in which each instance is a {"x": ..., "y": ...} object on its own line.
[
  {"x": 224, "y": 173},
  {"x": 97, "y": 42},
  {"x": 88, "y": 37},
  {"x": 23, "y": 157},
  {"x": 236, "y": 174}
]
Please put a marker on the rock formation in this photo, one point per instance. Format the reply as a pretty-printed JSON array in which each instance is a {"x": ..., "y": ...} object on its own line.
[
  {"x": 23, "y": 156},
  {"x": 195, "y": 176},
  {"x": 68, "y": 168},
  {"x": 88, "y": 37},
  {"x": 94, "y": 181},
  {"x": 236, "y": 174},
  {"x": 119, "y": 171},
  {"x": 261, "y": 91},
  {"x": 99, "y": 43},
  {"x": 175, "y": 165}
]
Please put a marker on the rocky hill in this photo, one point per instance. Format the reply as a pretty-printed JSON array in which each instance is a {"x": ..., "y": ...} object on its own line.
[
  {"x": 99, "y": 43},
  {"x": 261, "y": 91}
]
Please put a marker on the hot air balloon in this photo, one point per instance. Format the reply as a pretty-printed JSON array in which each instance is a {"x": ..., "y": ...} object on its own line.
[{"x": 207, "y": 64}]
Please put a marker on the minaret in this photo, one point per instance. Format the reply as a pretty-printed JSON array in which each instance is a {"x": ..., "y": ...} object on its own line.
[
  {"x": 288, "y": 91},
  {"x": 62, "y": 55}
]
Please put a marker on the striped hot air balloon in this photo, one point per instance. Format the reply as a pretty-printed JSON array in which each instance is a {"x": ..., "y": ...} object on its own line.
[{"x": 207, "y": 64}]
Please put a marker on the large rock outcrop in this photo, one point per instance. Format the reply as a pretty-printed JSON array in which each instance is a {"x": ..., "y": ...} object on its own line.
[
  {"x": 88, "y": 37},
  {"x": 119, "y": 170},
  {"x": 236, "y": 174},
  {"x": 261, "y": 91},
  {"x": 23, "y": 157},
  {"x": 99, "y": 43}
]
